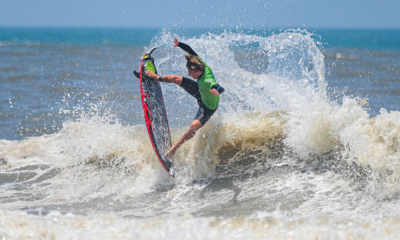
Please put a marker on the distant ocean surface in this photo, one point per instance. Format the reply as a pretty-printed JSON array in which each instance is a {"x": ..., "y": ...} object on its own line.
[{"x": 305, "y": 143}]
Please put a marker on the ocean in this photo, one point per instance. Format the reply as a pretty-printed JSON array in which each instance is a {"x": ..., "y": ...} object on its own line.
[{"x": 305, "y": 143}]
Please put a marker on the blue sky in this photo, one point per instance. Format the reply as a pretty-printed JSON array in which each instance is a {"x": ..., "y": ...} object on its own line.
[{"x": 201, "y": 13}]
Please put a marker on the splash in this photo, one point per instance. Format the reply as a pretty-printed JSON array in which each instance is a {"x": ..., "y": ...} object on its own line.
[{"x": 283, "y": 74}]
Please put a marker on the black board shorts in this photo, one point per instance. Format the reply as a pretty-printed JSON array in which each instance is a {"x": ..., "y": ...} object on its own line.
[{"x": 204, "y": 113}]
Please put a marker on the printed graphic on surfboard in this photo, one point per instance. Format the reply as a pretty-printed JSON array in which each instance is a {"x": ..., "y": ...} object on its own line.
[{"x": 155, "y": 113}]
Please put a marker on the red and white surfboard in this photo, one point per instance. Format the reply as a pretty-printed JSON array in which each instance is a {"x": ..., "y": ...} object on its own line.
[{"x": 155, "y": 113}]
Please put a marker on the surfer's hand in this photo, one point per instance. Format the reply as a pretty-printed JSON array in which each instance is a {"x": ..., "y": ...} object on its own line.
[
  {"x": 150, "y": 74},
  {"x": 214, "y": 92},
  {"x": 176, "y": 42}
]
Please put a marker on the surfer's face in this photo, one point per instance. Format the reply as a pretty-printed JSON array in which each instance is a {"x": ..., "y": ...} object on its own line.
[{"x": 195, "y": 74}]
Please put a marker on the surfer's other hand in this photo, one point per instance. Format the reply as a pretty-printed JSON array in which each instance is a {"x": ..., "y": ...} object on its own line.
[
  {"x": 214, "y": 92},
  {"x": 150, "y": 74},
  {"x": 176, "y": 42}
]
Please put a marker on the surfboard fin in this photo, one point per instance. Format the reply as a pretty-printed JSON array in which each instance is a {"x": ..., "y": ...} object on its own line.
[{"x": 136, "y": 74}]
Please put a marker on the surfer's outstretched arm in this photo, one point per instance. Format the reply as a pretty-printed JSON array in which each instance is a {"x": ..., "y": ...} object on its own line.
[{"x": 184, "y": 47}]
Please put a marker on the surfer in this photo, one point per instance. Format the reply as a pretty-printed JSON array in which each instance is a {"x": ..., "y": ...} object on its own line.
[{"x": 206, "y": 90}]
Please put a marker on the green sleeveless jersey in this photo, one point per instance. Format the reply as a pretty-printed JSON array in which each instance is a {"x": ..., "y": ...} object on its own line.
[{"x": 205, "y": 82}]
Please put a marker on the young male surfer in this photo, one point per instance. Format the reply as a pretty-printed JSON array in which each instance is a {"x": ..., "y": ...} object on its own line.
[{"x": 206, "y": 90}]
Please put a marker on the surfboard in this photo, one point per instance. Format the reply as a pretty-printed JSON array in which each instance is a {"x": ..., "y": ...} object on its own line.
[{"x": 155, "y": 112}]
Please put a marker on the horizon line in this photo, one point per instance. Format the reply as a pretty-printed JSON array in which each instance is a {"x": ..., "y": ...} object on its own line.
[{"x": 197, "y": 28}]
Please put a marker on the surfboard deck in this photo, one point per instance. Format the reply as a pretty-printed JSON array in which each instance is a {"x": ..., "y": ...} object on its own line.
[{"x": 155, "y": 113}]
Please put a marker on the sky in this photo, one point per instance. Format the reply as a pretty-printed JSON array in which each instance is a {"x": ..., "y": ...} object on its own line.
[{"x": 347, "y": 14}]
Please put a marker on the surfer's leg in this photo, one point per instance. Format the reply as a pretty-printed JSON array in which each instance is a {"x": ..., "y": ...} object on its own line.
[
  {"x": 191, "y": 87},
  {"x": 196, "y": 125},
  {"x": 202, "y": 116},
  {"x": 204, "y": 113}
]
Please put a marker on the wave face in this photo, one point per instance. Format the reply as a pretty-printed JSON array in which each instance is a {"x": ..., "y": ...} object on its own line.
[{"x": 279, "y": 156}]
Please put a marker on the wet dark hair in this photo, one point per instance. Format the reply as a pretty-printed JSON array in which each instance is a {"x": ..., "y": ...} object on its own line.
[{"x": 193, "y": 63}]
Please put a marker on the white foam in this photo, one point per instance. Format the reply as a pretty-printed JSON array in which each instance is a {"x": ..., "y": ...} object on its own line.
[{"x": 18, "y": 225}]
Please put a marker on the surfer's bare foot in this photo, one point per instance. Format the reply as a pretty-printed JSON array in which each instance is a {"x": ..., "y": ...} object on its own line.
[{"x": 170, "y": 153}]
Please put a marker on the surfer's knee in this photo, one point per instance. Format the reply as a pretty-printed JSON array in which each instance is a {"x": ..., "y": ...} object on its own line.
[{"x": 196, "y": 125}]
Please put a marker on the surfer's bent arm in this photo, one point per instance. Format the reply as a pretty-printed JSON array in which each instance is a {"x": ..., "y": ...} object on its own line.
[
  {"x": 187, "y": 48},
  {"x": 172, "y": 79},
  {"x": 168, "y": 78},
  {"x": 218, "y": 88}
]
